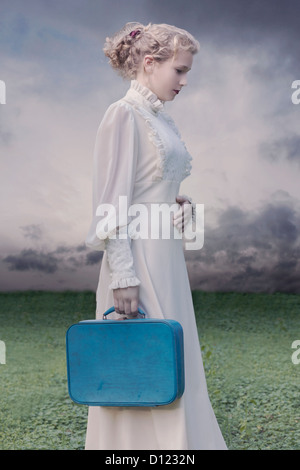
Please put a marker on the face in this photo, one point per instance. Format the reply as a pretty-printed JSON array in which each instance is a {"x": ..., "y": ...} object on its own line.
[{"x": 167, "y": 78}]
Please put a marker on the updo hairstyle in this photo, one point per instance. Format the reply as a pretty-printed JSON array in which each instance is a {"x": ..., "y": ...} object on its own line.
[{"x": 127, "y": 48}]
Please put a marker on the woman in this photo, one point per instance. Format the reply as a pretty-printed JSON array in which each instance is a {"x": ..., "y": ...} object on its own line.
[{"x": 139, "y": 156}]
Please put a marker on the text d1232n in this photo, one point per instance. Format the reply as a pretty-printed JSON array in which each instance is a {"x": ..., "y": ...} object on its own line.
[{"x": 151, "y": 459}]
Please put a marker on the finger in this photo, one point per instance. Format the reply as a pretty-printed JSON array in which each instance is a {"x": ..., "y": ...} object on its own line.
[
  {"x": 116, "y": 305},
  {"x": 127, "y": 307},
  {"x": 121, "y": 309},
  {"x": 178, "y": 222},
  {"x": 134, "y": 307},
  {"x": 177, "y": 214},
  {"x": 177, "y": 218},
  {"x": 132, "y": 315},
  {"x": 183, "y": 215}
]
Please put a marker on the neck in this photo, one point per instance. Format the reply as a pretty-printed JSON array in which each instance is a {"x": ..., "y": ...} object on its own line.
[{"x": 143, "y": 81}]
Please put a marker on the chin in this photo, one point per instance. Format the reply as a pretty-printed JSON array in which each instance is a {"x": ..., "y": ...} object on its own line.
[{"x": 169, "y": 98}]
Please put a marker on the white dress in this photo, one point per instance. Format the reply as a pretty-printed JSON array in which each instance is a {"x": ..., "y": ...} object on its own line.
[{"x": 139, "y": 154}]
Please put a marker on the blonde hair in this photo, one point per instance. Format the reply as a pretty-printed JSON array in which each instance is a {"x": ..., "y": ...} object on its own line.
[{"x": 127, "y": 48}]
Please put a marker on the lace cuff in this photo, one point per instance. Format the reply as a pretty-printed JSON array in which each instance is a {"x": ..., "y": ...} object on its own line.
[{"x": 120, "y": 261}]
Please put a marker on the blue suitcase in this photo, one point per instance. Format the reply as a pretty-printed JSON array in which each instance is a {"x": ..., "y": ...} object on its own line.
[{"x": 136, "y": 362}]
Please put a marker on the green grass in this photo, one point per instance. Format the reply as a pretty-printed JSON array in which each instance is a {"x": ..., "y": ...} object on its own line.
[
  {"x": 246, "y": 344},
  {"x": 253, "y": 384}
]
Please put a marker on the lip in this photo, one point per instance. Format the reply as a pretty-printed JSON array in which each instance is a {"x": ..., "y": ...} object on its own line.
[{"x": 176, "y": 91}]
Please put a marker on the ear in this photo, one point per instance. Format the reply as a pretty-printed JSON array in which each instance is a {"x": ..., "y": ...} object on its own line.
[{"x": 148, "y": 63}]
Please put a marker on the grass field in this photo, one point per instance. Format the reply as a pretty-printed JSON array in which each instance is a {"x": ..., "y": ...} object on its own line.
[{"x": 246, "y": 344}]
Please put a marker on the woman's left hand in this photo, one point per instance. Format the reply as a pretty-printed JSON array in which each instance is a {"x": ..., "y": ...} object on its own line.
[{"x": 183, "y": 216}]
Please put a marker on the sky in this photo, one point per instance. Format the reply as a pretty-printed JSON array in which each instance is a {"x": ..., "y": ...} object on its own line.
[{"x": 236, "y": 116}]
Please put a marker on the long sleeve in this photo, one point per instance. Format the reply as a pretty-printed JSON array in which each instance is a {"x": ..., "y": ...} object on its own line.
[
  {"x": 121, "y": 264},
  {"x": 115, "y": 159}
]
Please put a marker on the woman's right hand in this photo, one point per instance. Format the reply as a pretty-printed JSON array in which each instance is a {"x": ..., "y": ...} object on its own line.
[{"x": 126, "y": 300}]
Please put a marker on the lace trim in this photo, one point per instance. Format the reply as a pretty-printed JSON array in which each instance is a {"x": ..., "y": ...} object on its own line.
[
  {"x": 155, "y": 103},
  {"x": 189, "y": 158},
  {"x": 144, "y": 101},
  {"x": 162, "y": 168},
  {"x": 124, "y": 282},
  {"x": 120, "y": 260},
  {"x": 156, "y": 140}
]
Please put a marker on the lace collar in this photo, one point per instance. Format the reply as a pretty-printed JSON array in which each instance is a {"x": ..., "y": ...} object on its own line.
[{"x": 146, "y": 96}]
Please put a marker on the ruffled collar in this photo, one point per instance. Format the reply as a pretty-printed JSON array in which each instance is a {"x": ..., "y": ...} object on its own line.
[{"x": 146, "y": 95}]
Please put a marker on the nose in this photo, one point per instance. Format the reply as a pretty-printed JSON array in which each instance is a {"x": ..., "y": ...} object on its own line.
[{"x": 183, "y": 80}]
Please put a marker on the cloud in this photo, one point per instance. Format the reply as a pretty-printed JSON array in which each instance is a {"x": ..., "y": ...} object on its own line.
[
  {"x": 286, "y": 148},
  {"x": 247, "y": 251},
  {"x": 251, "y": 252},
  {"x": 234, "y": 23},
  {"x": 62, "y": 258},
  {"x": 33, "y": 231},
  {"x": 236, "y": 117},
  {"x": 93, "y": 257},
  {"x": 29, "y": 260}
]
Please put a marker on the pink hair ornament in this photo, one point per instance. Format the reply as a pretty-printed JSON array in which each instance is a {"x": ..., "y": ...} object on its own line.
[{"x": 134, "y": 33}]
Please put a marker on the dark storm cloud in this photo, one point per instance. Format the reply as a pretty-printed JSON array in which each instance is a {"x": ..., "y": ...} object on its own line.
[
  {"x": 62, "y": 38},
  {"x": 67, "y": 16},
  {"x": 235, "y": 21},
  {"x": 213, "y": 17},
  {"x": 61, "y": 250},
  {"x": 80, "y": 248},
  {"x": 94, "y": 257},
  {"x": 62, "y": 258},
  {"x": 286, "y": 148},
  {"x": 29, "y": 260},
  {"x": 265, "y": 31},
  {"x": 247, "y": 252},
  {"x": 250, "y": 252}
]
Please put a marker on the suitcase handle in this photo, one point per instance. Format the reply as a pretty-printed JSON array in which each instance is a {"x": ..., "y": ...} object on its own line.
[{"x": 112, "y": 309}]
